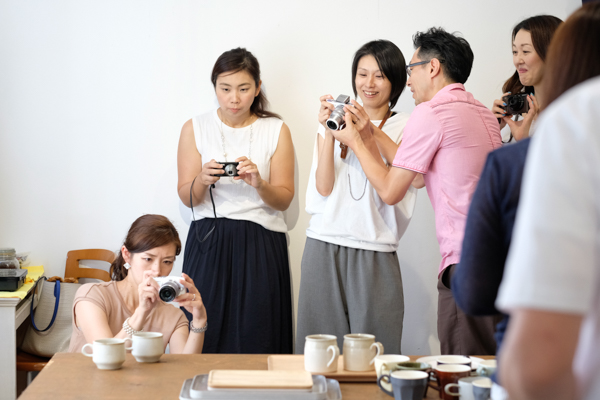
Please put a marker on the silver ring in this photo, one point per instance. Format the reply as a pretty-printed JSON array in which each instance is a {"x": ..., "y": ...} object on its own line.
[{"x": 194, "y": 298}]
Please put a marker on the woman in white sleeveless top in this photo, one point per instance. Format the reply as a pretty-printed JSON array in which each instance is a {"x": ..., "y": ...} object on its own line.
[
  {"x": 351, "y": 280},
  {"x": 236, "y": 250}
]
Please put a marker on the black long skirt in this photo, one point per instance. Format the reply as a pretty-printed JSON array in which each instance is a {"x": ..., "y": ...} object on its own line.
[{"x": 243, "y": 275}]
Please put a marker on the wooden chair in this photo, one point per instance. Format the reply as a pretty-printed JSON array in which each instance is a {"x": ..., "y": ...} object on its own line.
[
  {"x": 30, "y": 363},
  {"x": 73, "y": 270}
]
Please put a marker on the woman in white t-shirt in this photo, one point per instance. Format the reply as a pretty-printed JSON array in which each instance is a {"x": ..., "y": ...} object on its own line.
[
  {"x": 351, "y": 280},
  {"x": 236, "y": 250}
]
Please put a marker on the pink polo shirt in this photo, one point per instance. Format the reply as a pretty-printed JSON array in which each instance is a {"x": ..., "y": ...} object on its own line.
[{"x": 447, "y": 139}]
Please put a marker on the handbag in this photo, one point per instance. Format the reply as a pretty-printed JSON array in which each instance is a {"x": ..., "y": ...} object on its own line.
[{"x": 51, "y": 322}]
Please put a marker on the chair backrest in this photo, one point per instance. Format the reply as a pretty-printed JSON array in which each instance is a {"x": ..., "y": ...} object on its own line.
[{"x": 73, "y": 270}]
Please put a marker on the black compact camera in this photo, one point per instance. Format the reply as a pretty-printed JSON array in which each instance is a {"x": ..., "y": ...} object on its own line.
[
  {"x": 230, "y": 168},
  {"x": 516, "y": 104}
]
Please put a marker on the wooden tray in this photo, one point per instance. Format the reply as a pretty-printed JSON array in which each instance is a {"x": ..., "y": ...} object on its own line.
[
  {"x": 285, "y": 362},
  {"x": 245, "y": 379}
]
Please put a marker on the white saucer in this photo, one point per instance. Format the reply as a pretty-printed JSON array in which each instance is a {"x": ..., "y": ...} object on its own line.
[{"x": 432, "y": 360}]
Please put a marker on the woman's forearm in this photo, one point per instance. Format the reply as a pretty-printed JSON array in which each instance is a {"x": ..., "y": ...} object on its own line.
[
  {"x": 325, "y": 174},
  {"x": 198, "y": 193},
  {"x": 276, "y": 197},
  {"x": 195, "y": 341}
]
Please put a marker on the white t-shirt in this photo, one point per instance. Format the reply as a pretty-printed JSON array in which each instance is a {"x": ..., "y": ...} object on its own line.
[
  {"x": 368, "y": 223},
  {"x": 236, "y": 199},
  {"x": 554, "y": 261}
]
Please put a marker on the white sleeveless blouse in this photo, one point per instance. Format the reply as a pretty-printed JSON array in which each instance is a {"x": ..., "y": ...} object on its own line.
[{"x": 236, "y": 199}]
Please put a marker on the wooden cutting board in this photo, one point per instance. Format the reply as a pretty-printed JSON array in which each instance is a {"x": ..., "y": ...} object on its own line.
[
  {"x": 245, "y": 379},
  {"x": 288, "y": 362}
]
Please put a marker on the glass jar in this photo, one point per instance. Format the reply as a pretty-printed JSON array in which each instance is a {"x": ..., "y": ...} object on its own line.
[{"x": 8, "y": 259}]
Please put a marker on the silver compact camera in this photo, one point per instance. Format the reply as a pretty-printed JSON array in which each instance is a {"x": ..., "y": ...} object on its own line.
[
  {"x": 170, "y": 288},
  {"x": 230, "y": 168},
  {"x": 336, "y": 119}
]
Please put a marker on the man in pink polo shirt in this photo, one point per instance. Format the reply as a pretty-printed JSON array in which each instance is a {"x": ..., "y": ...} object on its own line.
[{"x": 446, "y": 139}]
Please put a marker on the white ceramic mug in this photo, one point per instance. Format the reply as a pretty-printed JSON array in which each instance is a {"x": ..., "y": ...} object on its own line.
[
  {"x": 465, "y": 388},
  {"x": 147, "y": 346},
  {"x": 487, "y": 367},
  {"x": 107, "y": 353},
  {"x": 321, "y": 353},
  {"x": 386, "y": 363},
  {"x": 360, "y": 350}
]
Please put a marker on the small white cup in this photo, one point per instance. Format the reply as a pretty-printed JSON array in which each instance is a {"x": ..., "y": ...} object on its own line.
[
  {"x": 147, "y": 346},
  {"x": 321, "y": 353},
  {"x": 487, "y": 367},
  {"x": 360, "y": 350},
  {"x": 465, "y": 388},
  {"x": 386, "y": 363},
  {"x": 107, "y": 353}
]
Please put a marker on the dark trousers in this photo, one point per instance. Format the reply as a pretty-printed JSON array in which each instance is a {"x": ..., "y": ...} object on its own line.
[{"x": 458, "y": 332}]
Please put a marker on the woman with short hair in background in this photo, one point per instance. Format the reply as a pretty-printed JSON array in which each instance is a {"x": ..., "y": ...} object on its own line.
[{"x": 351, "y": 280}]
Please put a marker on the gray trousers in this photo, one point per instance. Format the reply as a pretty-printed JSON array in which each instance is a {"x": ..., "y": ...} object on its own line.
[{"x": 345, "y": 290}]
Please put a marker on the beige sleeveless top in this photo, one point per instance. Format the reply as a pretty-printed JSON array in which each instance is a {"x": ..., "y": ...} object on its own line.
[{"x": 164, "y": 318}]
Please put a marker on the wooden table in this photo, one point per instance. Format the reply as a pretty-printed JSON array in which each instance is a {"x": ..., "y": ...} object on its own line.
[{"x": 74, "y": 376}]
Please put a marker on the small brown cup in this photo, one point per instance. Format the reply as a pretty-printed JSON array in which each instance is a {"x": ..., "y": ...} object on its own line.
[{"x": 446, "y": 374}]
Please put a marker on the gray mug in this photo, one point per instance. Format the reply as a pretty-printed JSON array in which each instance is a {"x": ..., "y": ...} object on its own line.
[
  {"x": 482, "y": 389},
  {"x": 406, "y": 385}
]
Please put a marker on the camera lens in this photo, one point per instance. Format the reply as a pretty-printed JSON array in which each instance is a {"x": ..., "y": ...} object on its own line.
[
  {"x": 230, "y": 169},
  {"x": 167, "y": 292},
  {"x": 336, "y": 119},
  {"x": 516, "y": 103},
  {"x": 331, "y": 124}
]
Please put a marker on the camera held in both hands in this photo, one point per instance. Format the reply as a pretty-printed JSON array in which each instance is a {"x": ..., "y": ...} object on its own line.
[
  {"x": 516, "y": 104},
  {"x": 336, "y": 121},
  {"x": 170, "y": 288},
  {"x": 230, "y": 168}
]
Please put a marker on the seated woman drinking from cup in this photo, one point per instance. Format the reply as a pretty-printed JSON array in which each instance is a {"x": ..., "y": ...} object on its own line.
[{"x": 130, "y": 303}]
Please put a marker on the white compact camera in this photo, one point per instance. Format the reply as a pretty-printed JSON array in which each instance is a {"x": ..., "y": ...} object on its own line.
[{"x": 170, "y": 288}]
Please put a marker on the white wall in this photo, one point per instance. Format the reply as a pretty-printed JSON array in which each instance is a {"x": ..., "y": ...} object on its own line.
[{"x": 93, "y": 95}]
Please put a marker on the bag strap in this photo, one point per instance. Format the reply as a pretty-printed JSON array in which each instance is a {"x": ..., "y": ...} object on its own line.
[{"x": 56, "y": 294}]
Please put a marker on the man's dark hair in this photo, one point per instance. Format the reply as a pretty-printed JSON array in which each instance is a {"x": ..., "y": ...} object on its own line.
[{"x": 454, "y": 53}]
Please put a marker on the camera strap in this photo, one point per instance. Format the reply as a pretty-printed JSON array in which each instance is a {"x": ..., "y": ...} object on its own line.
[{"x": 214, "y": 210}]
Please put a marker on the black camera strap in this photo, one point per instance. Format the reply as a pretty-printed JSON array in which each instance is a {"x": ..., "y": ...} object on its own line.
[{"x": 212, "y": 200}]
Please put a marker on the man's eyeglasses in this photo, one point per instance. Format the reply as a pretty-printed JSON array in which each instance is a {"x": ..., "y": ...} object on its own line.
[{"x": 409, "y": 66}]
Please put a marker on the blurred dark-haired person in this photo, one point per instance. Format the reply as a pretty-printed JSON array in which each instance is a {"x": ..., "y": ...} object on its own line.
[
  {"x": 551, "y": 286},
  {"x": 446, "y": 139},
  {"x": 351, "y": 281},
  {"x": 130, "y": 302},
  {"x": 530, "y": 40},
  {"x": 236, "y": 250}
]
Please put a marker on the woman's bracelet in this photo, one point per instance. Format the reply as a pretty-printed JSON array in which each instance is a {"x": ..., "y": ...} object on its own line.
[
  {"x": 198, "y": 330},
  {"x": 128, "y": 329}
]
